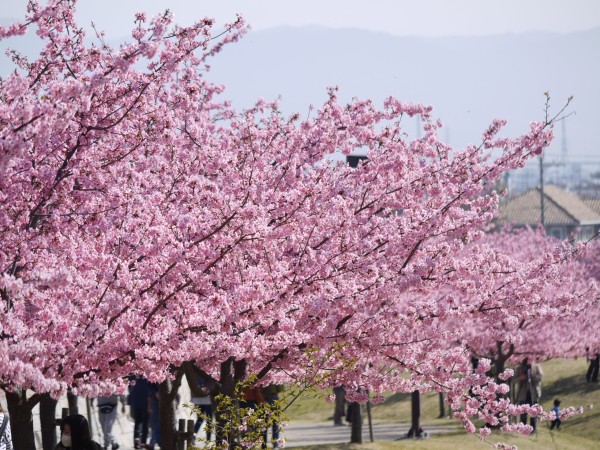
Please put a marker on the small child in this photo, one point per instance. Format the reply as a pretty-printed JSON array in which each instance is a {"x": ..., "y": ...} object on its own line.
[{"x": 556, "y": 411}]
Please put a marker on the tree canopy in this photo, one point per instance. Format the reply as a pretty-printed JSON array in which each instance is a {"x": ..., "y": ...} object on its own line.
[{"x": 146, "y": 223}]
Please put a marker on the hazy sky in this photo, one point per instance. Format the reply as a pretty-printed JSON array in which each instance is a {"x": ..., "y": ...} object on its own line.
[{"x": 400, "y": 17}]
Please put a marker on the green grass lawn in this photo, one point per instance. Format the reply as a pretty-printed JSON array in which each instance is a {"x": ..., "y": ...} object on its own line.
[{"x": 564, "y": 379}]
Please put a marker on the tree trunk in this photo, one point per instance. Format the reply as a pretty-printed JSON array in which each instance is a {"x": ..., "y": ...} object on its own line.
[
  {"x": 21, "y": 419},
  {"x": 370, "y": 420},
  {"x": 356, "y": 417},
  {"x": 415, "y": 427},
  {"x": 48, "y": 421},
  {"x": 167, "y": 393},
  {"x": 500, "y": 367},
  {"x": 501, "y": 357},
  {"x": 166, "y": 408},
  {"x": 226, "y": 387},
  {"x": 339, "y": 411},
  {"x": 442, "y": 405},
  {"x": 73, "y": 403},
  {"x": 232, "y": 372},
  {"x": 499, "y": 363}
]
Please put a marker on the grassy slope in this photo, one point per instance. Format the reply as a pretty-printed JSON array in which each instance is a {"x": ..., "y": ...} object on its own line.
[{"x": 563, "y": 379}]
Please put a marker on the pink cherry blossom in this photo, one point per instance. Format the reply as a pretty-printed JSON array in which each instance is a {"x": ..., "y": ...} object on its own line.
[{"x": 146, "y": 223}]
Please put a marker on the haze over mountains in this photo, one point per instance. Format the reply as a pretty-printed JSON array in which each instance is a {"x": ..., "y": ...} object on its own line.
[{"x": 468, "y": 80}]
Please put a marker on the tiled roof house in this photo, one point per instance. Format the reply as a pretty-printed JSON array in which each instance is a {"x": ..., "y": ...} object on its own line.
[
  {"x": 564, "y": 212},
  {"x": 593, "y": 203}
]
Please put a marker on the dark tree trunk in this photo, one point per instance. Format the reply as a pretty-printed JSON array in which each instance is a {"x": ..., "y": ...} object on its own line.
[
  {"x": 167, "y": 393},
  {"x": 500, "y": 359},
  {"x": 21, "y": 419},
  {"x": 500, "y": 367},
  {"x": 166, "y": 407},
  {"x": 370, "y": 420},
  {"x": 73, "y": 403},
  {"x": 232, "y": 372},
  {"x": 48, "y": 421},
  {"x": 442, "y": 405},
  {"x": 227, "y": 388},
  {"x": 415, "y": 427},
  {"x": 339, "y": 411},
  {"x": 356, "y": 422}
]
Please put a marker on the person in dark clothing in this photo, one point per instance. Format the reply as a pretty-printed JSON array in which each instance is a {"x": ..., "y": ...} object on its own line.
[
  {"x": 556, "y": 411},
  {"x": 529, "y": 376},
  {"x": 139, "y": 391},
  {"x": 592, "y": 372},
  {"x": 154, "y": 416},
  {"x": 75, "y": 434}
]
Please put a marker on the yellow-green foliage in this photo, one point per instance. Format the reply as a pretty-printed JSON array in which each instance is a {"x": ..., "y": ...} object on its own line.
[{"x": 237, "y": 426}]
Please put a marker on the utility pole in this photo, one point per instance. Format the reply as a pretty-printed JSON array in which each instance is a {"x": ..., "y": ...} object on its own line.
[{"x": 561, "y": 163}]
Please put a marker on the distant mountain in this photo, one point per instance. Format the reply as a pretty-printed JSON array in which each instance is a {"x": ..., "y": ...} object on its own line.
[{"x": 468, "y": 80}]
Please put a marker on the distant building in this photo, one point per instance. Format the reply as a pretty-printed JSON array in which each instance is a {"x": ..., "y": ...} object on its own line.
[
  {"x": 564, "y": 212},
  {"x": 593, "y": 203}
]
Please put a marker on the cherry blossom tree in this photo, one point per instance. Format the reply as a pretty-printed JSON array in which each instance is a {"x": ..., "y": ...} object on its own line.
[
  {"x": 145, "y": 224},
  {"x": 586, "y": 323},
  {"x": 493, "y": 294},
  {"x": 59, "y": 216},
  {"x": 556, "y": 310},
  {"x": 548, "y": 282}
]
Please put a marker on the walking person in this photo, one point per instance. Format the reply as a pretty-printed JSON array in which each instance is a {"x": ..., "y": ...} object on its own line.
[
  {"x": 529, "y": 392},
  {"x": 593, "y": 369},
  {"x": 5, "y": 436},
  {"x": 556, "y": 410},
  {"x": 75, "y": 434},
  {"x": 107, "y": 414},
  {"x": 139, "y": 392}
]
